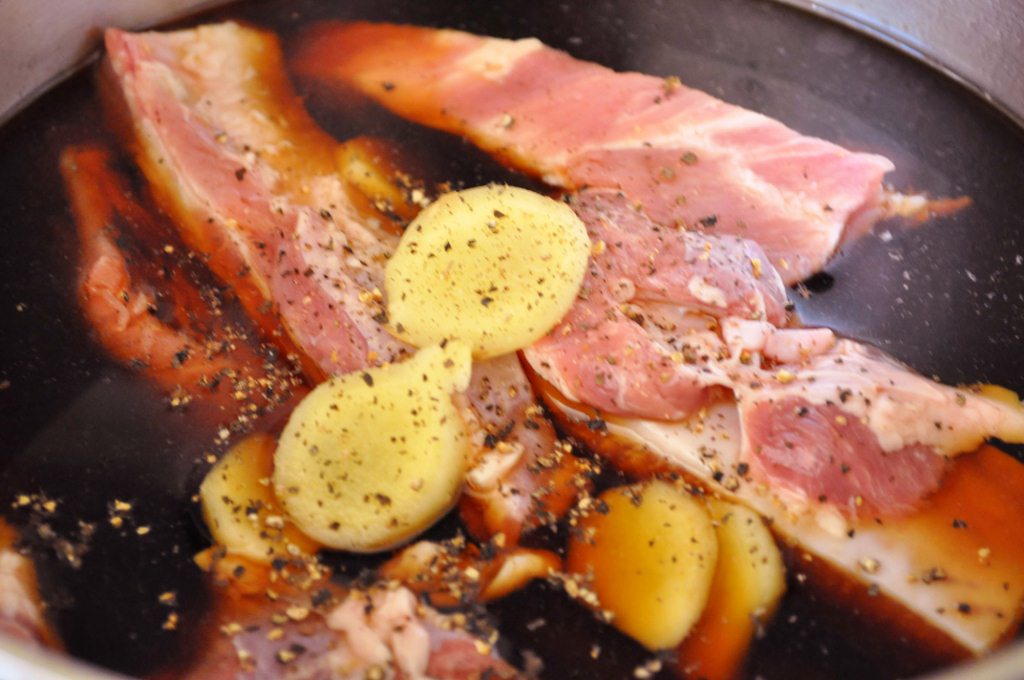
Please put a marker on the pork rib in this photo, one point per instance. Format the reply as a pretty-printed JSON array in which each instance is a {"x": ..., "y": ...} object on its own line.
[
  {"x": 685, "y": 156},
  {"x": 252, "y": 183}
]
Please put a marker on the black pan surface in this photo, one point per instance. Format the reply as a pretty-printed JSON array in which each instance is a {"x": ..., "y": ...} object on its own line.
[{"x": 947, "y": 298}]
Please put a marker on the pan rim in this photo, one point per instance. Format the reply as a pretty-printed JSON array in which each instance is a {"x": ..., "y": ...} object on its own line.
[{"x": 26, "y": 663}]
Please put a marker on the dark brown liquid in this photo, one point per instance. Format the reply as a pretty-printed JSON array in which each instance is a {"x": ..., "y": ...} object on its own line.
[{"x": 947, "y": 298}]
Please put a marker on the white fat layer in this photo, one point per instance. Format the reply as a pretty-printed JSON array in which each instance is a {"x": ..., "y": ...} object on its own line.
[
  {"x": 16, "y": 602},
  {"x": 795, "y": 345},
  {"x": 707, "y": 293},
  {"x": 382, "y": 630},
  {"x": 743, "y": 335},
  {"x": 495, "y": 59},
  {"x": 493, "y": 467}
]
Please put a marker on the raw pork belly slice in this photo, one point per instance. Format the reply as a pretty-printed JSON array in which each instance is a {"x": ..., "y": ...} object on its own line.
[
  {"x": 669, "y": 321},
  {"x": 851, "y": 427},
  {"x": 687, "y": 157},
  {"x": 641, "y": 339},
  {"x": 253, "y": 186},
  {"x": 373, "y": 632}
]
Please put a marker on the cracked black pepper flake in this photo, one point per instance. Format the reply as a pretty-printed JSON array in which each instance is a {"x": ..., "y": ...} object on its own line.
[
  {"x": 179, "y": 359},
  {"x": 321, "y": 597}
]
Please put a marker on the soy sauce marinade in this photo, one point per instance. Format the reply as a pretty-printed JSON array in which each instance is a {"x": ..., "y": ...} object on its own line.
[{"x": 84, "y": 431}]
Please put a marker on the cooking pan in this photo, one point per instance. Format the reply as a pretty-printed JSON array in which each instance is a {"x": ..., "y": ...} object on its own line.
[{"x": 947, "y": 298}]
